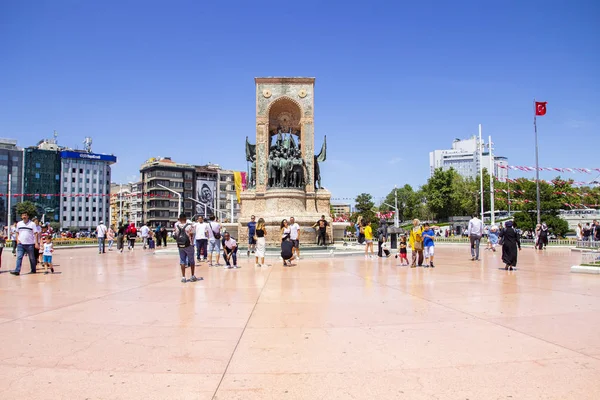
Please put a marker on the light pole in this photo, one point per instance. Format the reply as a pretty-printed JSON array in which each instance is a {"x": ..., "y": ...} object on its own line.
[
  {"x": 207, "y": 206},
  {"x": 396, "y": 222},
  {"x": 396, "y": 216},
  {"x": 178, "y": 195}
]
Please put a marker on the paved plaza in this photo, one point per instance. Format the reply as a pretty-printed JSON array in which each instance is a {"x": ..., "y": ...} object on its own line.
[{"x": 122, "y": 326}]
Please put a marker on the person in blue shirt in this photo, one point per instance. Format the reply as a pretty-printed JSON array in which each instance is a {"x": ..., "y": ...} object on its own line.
[
  {"x": 428, "y": 237},
  {"x": 251, "y": 233}
]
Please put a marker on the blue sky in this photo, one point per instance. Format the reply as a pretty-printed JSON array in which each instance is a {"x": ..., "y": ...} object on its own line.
[{"x": 394, "y": 80}]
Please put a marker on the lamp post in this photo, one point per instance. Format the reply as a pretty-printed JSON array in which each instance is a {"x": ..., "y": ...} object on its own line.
[
  {"x": 206, "y": 206},
  {"x": 396, "y": 216},
  {"x": 178, "y": 195}
]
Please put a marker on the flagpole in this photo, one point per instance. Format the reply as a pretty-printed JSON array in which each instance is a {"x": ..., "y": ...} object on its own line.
[
  {"x": 537, "y": 169},
  {"x": 492, "y": 216},
  {"x": 481, "y": 172}
]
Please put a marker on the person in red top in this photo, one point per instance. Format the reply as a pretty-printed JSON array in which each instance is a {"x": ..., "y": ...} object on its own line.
[{"x": 131, "y": 235}]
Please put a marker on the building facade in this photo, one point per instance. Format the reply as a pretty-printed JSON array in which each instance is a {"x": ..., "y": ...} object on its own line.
[
  {"x": 464, "y": 158},
  {"x": 85, "y": 184},
  {"x": 216, "y": 193},
  {"x": 136, "y": 206},
  {"x": 159, "y": 205},
  {"x": 11, "y": 170},
  {"x": 341, "y": 209},
  {"x": 41, "y": 178}
]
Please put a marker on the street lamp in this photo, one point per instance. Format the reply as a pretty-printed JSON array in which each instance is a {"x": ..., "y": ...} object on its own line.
[
  {"x": 396, "y": 222},
  {"x": 207, "y": 206},
  {"x": 178, "y": 195}
]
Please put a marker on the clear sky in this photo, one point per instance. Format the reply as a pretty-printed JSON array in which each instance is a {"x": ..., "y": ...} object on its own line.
[{"x": 394, "y": 80}]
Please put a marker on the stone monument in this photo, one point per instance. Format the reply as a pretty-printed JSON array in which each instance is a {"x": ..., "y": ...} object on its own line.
[{"x": 284, "y": 177}]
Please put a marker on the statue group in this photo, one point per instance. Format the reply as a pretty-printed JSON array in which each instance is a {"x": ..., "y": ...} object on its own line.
[{"x": 285, "y": 166}]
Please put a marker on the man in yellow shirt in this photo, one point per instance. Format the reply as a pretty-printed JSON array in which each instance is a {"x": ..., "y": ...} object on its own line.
[{"x": 369, "y": 240}]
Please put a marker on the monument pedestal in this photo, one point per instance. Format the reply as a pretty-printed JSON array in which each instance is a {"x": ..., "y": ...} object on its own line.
[{"x": 275, "y": 205}]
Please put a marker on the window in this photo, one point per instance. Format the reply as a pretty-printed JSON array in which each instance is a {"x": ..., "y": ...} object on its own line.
[
  {"x": 37, "y": 175},
  {"x": 64, "y": 218},
  {"x": 94, "y": 209},
  {"x": 79, "y": 209},
  {"x": 81, "y": 170},
  {"x": 64, "y": 189},
  {"x": 64, "y": 208},
  {"x": 64, "y": 179},
  {"x": 80, "y": 180},
  {"x": 74, "y": 170},
  {"x": 72, "y": 218},
  {"x": 87, "y": 171},
  {"x": 87, "y": 219},
  {"x": 57, "y": 177},
  {"x": 94, "y": 219},
  {"x": 15, "y": 159},
  {"x": 73, "y": 209},
  {"x": 72, "y": 180},
  {"x": 37, "y": 165},
  {"x": 79, "y": 219},
  {"x": 64, "y": 198},
  {"x": 87, "y": 180}
]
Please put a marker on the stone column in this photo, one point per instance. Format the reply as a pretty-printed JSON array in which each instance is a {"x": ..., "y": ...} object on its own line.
[
  {"x": 262, "y": 153},
  {"x": 308, "y": 152}
]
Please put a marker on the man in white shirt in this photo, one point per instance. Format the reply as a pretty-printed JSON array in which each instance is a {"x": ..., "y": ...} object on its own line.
[
  {"x": 295, "y": 236},
  {"x": 475, "y": 231},
  {"x": 101, "y": 230},
  {"x": 144, "y": 230},
  {"x": 27, "y": 240},
  {"x": 201, "y": 238},
  {"x": 229, "y": 251},
  {"x": 214, "y": 241}
]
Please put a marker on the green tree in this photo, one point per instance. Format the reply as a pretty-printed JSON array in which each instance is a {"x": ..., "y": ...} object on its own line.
[
  {"x": 26, "y": 207},
  {"x": 409, "y": 202},
  {"x": 364, "y": 206},
  {"x": 556, "y": 224},
  {"x": 443, "y": 195},
  {"x": 524, "y": 220}
]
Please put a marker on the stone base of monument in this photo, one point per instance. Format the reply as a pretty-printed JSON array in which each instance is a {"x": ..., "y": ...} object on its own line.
[{"x": 277, "y": 204}]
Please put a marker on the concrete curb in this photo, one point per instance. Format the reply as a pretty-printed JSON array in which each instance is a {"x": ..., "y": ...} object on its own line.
[{"x": 584, "y": 269}]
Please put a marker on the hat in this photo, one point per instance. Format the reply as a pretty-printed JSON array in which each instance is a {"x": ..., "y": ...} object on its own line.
[
  {"x": 508, "y": 224},
  {"x": 101, "y": 222}
]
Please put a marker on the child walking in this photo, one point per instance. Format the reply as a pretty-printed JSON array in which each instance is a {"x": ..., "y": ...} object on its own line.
[
  {"x": 369, "y": 240},
  {"x": 428, "y": 237},
  {"x": 48, "y": 250},
  {"x": 403, "y": 251}
]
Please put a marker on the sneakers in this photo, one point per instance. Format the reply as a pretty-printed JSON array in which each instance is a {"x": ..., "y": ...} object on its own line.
[
  {"x": 52, "y": 269},
  {"x": 15, "y": 273},
  {"x": 236, "y": 266},
  {"x": 413, "y": 266},
  {"x": 193, "y": 279},
  {"x": 183, "y": 280},
  {"x": 226, "y": 267},
  {"x": 431, "y": 265},
  {"x": 257, "y": 265}
]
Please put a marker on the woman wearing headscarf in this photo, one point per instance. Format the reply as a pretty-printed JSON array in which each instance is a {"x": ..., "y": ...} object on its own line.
[
  {"x": 543, "y": 240},
  {"x": 416, "y": 243},
  {"x": 511, "y": 245}
]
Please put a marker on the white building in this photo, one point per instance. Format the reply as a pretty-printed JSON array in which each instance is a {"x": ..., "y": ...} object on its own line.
[
  {"x": 464, "y": 158},
  {"x": 85, "y": 199}
]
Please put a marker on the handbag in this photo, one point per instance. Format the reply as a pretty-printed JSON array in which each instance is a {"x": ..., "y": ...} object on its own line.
[{"x": 418, "y": 245}]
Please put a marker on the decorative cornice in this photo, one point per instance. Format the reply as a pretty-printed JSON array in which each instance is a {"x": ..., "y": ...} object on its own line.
[{"x": 284, "y": 80}]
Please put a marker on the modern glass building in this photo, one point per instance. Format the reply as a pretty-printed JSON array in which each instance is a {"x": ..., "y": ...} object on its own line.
[
  {"x": 11, "y": 165},
  {"x": 42, "y": 179},
  {"x": 85, "y": 189}
]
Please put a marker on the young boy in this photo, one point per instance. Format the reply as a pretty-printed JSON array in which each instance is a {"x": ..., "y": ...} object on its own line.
[
  {"x": 403, "y": 251},
  {"x": 47, "y": 254},
  {"x": 428, "y": 236}
]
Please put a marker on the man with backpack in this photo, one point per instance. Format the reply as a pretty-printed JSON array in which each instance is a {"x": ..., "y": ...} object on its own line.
[
  {"x": 214, "y": 240},
  {"x": 184, "y": 236}
]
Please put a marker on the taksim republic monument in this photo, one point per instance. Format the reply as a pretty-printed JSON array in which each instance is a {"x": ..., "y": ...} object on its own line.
[{"x": 284, "y": 177}]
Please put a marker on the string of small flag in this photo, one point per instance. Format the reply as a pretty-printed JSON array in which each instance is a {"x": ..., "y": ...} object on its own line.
[
  {"x": 552, "y": 169},
  {"x": 526, "y": 201},
  {"x": 518, "y": 180},
  {"x": 557, "y": 193},
  {"x": 37, "y": 195}
]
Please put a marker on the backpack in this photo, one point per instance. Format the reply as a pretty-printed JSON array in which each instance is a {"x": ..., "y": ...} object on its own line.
[
  {"x": 132, "y": 232},
  {"x": 181, "y": 237}
]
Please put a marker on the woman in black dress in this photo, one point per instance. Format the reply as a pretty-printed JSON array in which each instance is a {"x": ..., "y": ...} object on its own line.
[{"x": 510, "y": 243}]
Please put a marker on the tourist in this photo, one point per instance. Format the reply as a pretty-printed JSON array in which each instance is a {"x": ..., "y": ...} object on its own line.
[
  {"x": 183, "y": 234},
  {"x": 110, "y": 237},
  {"x": 360, "y": 230},
  {"x": 214, "y": 241},
  {"x": 261, "y": 242},
  {"x": 579, "y": 232},
  {"x": 2, "y": 244},
  {"x": 382, "y": 233},
  {"x": 416, "y": 243},
  {"x": 597, "y": 237},
  {"x": 287, "y": 252},
  {"x": 151, "y": 241},
  {"x": 475, "y": 231},
  {"x": 493, "y": 238},
  {"x": 229, "y": 251},
  {"x": 163, "y": 235},
  {"x": 144, "y": 230},
  {"x": 321, "y": 225},
  {"x": 251, "y": 234},
  {"x": 285, "y": 230},
  {"x": 158, "y": 235},
  {"x": 201, "y": 229},
  {"x": 38, "y": 231},
  {"x": 368, "y": 231},
  {"x": 101, "y": 230},
  {"x": 121, "y": 237},
  {"x": 13, "y": 238},
  {"x": 428, "y": 245},
  {"x": 543, "y": 237},
  {"x": 47, "y": 254},
  {"x": 295, "y": 236},
  {"x": 403, "y": 251},
  {"x": 27, "y": 240},
  {"x": 510, "y": 243},
  {"x": 131, "y": 233}
]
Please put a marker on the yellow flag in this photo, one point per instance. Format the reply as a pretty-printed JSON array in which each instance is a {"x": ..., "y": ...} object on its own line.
[{"x": 237, "y": 179}]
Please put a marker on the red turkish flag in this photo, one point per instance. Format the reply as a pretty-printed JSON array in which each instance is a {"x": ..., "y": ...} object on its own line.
[{"x": 540, "y": 107}]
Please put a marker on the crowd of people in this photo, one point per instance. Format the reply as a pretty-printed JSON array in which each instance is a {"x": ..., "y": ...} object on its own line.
[{"x": 202, "y": 240}]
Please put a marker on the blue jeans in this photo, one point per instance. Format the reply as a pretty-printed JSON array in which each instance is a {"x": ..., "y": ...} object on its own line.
[
  {"x": 475, "y": 240},
  {"x": 186, "y": 256},
  {"x": 101, "y": 244},
  {"x": 231, "y": 253},
  {"x": 21, "y": 249}
]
